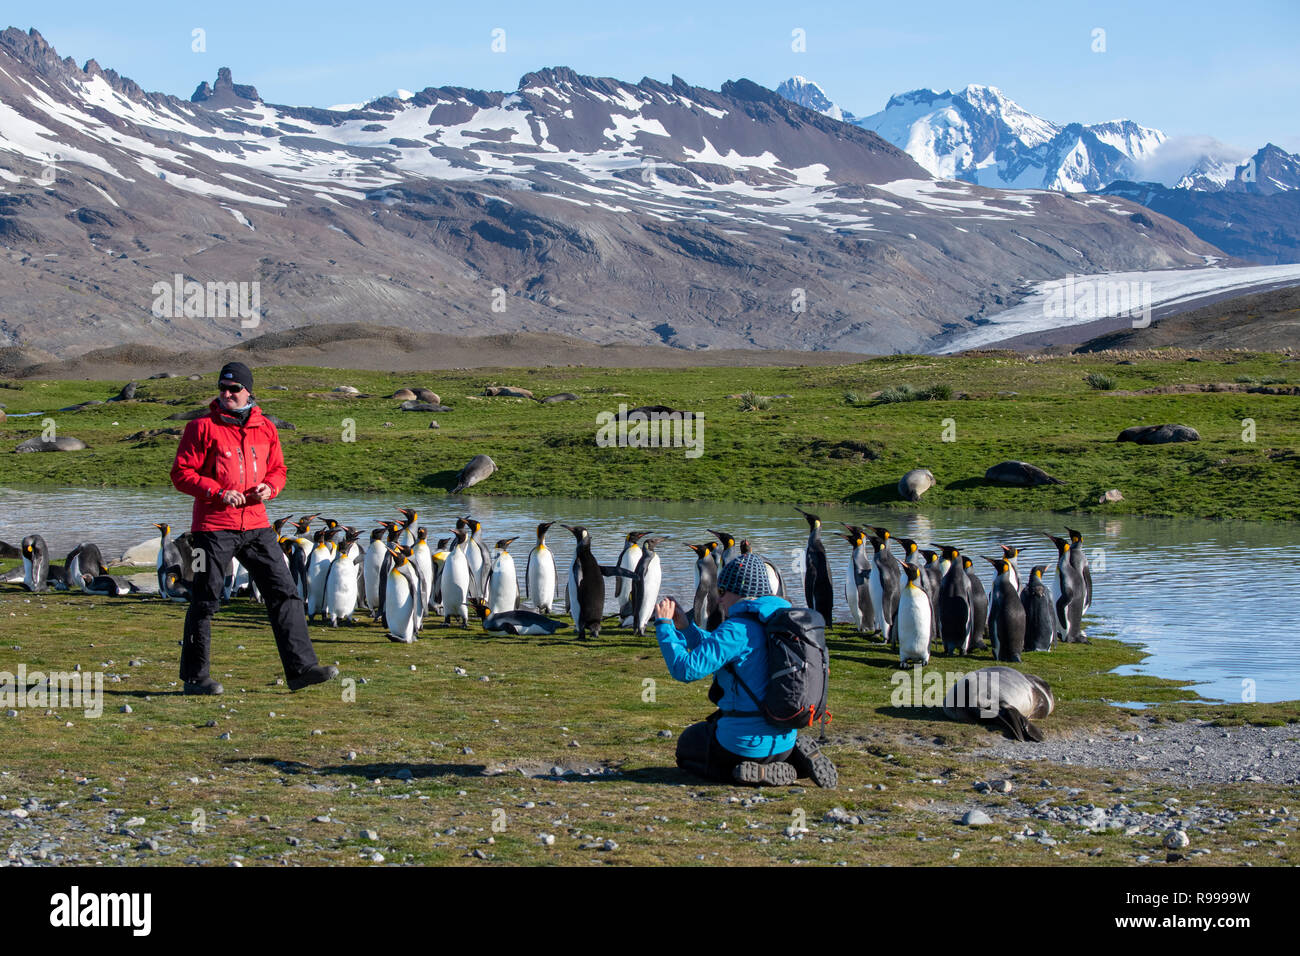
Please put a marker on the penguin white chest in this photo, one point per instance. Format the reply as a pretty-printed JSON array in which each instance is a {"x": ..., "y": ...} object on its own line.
[
  {"x": 400, "y": 607},
  {"x": 503, "y": 590},
  {"x": 913, "y": 626}
]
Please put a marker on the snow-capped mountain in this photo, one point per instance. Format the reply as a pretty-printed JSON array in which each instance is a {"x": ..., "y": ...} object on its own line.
[
  {"x": 1208, "y": 174},
  {"x": 618, "y": 212},
  {"x": 1270, "y": 171},
  {"x": 980, "y": 135},
  {"x": 808, "y": 94}
]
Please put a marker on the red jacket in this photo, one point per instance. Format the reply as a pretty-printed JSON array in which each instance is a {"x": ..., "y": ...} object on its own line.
[{"x": 217, "y": 454}]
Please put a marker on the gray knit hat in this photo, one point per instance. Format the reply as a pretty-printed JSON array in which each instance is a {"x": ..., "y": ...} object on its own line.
[{"x": 746, "y": 576}]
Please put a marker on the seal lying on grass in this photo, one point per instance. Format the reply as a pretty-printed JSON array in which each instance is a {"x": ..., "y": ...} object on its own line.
[{"x": 1003, "y": 694}]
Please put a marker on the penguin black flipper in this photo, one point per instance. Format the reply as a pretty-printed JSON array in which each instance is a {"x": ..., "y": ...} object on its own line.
[
  {"x": 378, "y": 613},
  {"x": 616, "y": 572},
  {"x": 618, "y": 585},
  {"x": 528, "y": 566}
]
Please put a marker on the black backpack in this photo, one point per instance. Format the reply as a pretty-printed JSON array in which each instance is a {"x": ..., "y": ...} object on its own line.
[{"x": 798, "y": 671}]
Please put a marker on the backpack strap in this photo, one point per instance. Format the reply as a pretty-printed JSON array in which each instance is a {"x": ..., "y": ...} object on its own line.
[{"x": 731, "y": 669}]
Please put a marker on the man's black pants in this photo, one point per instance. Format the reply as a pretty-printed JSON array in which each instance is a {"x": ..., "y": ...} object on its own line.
[
  {"x": 258, "y": 551},
  {"x": 699, "y": 752}
]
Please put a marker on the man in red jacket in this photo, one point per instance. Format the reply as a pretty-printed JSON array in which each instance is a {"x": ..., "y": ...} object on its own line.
[{"x": 230, "y": 461}]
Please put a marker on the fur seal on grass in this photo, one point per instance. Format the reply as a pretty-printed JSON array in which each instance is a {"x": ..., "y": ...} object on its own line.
[
  {"x": 915, "y": 483},
  {"x": 478, "y": 468},
  {"x": 1003, "y": 694},
  {"x": 1020, "y": 473}
]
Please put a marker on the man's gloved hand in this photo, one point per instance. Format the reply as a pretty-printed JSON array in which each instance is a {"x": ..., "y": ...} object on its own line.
[{"x": 234, "y": 499}]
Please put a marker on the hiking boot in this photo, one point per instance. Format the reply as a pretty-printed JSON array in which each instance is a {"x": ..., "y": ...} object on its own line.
[
  {"x": 316, "y": 674},
  {"x": 809, "y": 761},
  {"x": 206, "y": 687},
  {"x": 764, "y": 774}
]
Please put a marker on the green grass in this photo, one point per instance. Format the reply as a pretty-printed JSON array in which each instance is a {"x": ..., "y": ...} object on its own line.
[
  {"x": 998, "y": 407},
  {"x": 907, "y": 771},
  {"x": 1100, "y": 381}
]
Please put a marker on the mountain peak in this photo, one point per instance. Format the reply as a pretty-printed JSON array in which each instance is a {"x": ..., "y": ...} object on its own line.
[
  {"x": 806, "y": 93},
  {"x": 225, "y": 92}
]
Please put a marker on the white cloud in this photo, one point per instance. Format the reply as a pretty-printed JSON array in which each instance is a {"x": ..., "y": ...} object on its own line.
[{"x": 1175, "y": 156}]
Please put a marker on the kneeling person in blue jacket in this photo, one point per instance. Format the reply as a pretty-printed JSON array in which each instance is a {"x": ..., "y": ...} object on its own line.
[{"x": 740, "y": 749}]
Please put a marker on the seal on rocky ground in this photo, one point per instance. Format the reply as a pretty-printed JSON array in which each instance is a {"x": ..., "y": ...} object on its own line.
[{"x": 1002, "y": 694}]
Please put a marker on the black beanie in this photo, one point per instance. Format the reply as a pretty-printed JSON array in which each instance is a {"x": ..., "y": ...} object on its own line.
[{"x": 236, "y": 372}]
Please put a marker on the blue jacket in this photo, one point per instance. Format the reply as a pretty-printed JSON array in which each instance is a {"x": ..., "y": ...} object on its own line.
[{"x": 739, "y": 640}]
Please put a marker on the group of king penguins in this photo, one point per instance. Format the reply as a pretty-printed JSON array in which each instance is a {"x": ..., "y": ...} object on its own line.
[
  {"x": 936, "y": 597},
  {"x": 83, "y": 570},
  {"x": 929, "y": 597}
]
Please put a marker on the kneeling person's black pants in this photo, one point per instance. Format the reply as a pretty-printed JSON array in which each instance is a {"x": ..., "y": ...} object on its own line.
[
  {"x": 259, "y": 552},
  {"x": 699, "y": 752}
]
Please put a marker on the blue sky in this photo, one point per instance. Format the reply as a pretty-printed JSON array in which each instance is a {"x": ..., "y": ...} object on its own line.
[{"x": 1224, "y": 69}]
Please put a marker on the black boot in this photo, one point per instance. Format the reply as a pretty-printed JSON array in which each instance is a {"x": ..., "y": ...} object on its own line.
[
  {"x": 316, "y": 674},
  {"x": 205, "y": 687},
  {"x": 809, "y": 761}
]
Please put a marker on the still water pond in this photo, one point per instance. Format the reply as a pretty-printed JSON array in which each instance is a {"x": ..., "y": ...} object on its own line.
[{"x": 1214, "y": 602}]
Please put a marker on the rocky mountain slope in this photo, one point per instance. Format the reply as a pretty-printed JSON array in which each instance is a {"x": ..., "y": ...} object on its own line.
[{"x": 609, "y": 211}]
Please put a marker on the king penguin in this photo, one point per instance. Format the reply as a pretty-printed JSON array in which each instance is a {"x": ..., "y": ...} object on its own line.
[
  {"x": 539, "y": 574},
  {"x": 371, "y": 568},
  {"x": 628, "y": 559},
  {"x": 857, "y": 583},
  {"x": 502, "y": 585},
  {"x": 890, "y": 572},
  {"x": 1006, "y": 614},
  {"x": 1040, "y": 616},
  {"x": 1012, "y": 555},
  {"x": 705, "y": 611},
  {"x": 343, "y": 582},
  {"x": 318, "y": 567},
  {"x": 729, "y": 550},
  {"x": 456, "y": 580},
  {"x": 409, "y": 529},
  {"x": 913, "y": 620},
  {"x": 478, "y": 557},
  {"x": 979, "y": 604},
  {"x": 645, "y": 583},
  {"x": 1079, "y": 561},
  {"x": 403, "y": 601},
  {"x": 1069, "y": 603},
  {"x": 818, "y": 585},
  {"x": 169, "y": 561},
  {"x": 422, "y": 558},
  {"x": 586, "y": 590},
  {"x": 956, "y": 612},
  {"x": 36, "y": 563}
]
